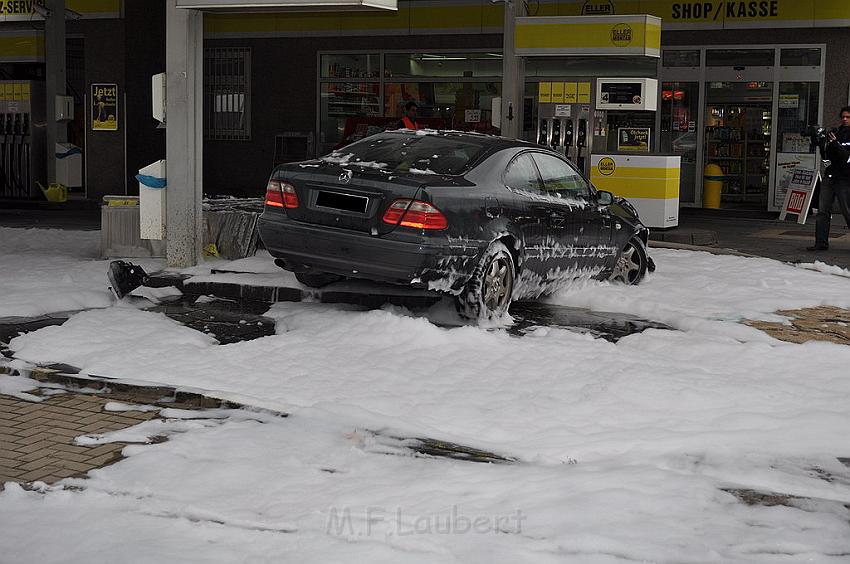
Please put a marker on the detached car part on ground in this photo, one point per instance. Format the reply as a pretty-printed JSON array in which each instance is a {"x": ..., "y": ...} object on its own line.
[{"x": 485, "y": 219}]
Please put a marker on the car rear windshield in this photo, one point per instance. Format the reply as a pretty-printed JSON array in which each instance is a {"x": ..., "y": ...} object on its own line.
[{"x": 417, "y": 154}]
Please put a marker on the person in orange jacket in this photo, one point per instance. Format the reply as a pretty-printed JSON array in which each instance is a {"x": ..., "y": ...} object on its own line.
[{"x": 408, "y": 121}]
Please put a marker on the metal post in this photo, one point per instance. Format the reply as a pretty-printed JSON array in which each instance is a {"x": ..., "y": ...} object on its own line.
[
  {"x": 54, "y": 47},
  {"x": 184, "y": 134},
  {"x": 513, "y": 73}
]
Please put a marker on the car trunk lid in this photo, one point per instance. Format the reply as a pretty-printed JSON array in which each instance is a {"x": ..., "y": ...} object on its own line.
[{"x": 350, "y": 197}]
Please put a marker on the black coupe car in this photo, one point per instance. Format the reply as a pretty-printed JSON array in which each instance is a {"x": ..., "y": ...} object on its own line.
[{"x": 485, "y": 219}]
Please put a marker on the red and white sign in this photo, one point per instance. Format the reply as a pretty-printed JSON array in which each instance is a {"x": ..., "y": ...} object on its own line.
[
  {"x": 796, "y": 201},
  {"x": 801, "y": 189}
]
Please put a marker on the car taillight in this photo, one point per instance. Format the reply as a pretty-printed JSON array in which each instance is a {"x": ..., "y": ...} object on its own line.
[
  {"x": 415, "y": 214},
  {"x": 281, "y": 194}
]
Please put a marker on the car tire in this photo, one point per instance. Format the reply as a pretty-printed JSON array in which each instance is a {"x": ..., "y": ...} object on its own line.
[
  {"x": 316, "y": 279},
  {"x": 632, "y": 263},
  {"x": 488, "y": 293}
]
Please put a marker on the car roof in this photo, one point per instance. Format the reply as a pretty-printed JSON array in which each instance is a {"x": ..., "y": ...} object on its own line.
[{"x": 492, "y": 142}]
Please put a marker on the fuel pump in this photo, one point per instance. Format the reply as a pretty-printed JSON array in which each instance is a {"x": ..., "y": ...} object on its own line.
[
  {"x": 581, "y": 143},
  {"x": 4, "y": 165},
  {"x": 556, "y": 134},
  {"x": 17, "y": 142},
  {"x": 543, "y": 132},
  {"x": 26, "y": 169},
  {"x": 568, "y": 138},
  {"x": 22, "y": 140}
]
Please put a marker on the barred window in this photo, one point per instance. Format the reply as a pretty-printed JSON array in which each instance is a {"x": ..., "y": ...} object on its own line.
[{"x": 227, "y": 93}]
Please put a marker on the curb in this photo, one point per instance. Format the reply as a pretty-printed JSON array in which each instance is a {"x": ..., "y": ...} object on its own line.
[
  {"x": 712, "y": 250},
  {"x": 162, "y": 396}
]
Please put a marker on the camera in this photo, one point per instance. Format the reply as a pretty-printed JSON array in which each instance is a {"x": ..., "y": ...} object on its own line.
[{"x": 818, "y": 136}]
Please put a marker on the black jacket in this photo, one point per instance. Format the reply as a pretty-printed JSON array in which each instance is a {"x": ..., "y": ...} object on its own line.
[{"x": 838, "y": 153}]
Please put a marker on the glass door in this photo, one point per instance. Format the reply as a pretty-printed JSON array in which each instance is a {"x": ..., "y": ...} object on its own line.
[
  {"x": 679, "y": 107},
  {"x": 738, "y": 125}
]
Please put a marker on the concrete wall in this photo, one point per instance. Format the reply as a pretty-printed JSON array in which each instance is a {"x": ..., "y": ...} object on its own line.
[
  {"x": 126, "y": 52},
  {"x": 104, "y": 63}
]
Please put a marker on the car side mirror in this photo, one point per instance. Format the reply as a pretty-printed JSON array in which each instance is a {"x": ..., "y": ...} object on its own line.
[{"x": 604, "y": 198}]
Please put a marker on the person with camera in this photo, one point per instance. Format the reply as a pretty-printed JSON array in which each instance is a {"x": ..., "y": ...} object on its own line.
[{"x": 836, "y": 181}]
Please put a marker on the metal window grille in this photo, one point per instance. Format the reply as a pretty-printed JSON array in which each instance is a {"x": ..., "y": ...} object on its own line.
[{"x": 227, "y": 93}]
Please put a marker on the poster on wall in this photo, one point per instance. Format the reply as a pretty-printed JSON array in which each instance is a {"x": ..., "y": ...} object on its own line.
[
  {"x": 633, "y": 139},
  {"x": 104, "y": 108},
  {"x": 786, "y": 164}
]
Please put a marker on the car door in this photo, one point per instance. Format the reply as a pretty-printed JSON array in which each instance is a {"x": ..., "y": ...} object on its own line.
[
  {"x": 526, "y": 208},
  {"x": 576, "y": 224}
]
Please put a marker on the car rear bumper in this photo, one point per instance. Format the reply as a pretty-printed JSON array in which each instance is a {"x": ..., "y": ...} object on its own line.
[{"x": 398, "y": 258}]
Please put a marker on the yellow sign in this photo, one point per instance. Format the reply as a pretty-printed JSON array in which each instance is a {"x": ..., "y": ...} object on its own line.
[
  {"x": 606, "y": 166},
  {"x": 583, "y": 92},
  {"x": 104, "y": 110},
  {"x": 570, "y": 93},
  {"x": 598, "y": 8},
  {"x": 544, "y": 92},
  {"x": 11, "y": 10},
  {"x": 558, "y": 92},
  {"x": 588, "y": 35},
  {"x": 725, "y": 14},
  {"x": 16, "y": 7},
  {"x": 621, "y": 35}
]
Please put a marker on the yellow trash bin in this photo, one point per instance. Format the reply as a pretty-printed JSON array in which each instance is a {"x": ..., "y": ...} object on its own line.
[{"x": 712, "y": 185}]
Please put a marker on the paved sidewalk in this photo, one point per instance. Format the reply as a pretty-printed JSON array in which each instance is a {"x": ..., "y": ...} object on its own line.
[
  {"x": 37, "y": 438},
  {"x": 781, "y": 240}
]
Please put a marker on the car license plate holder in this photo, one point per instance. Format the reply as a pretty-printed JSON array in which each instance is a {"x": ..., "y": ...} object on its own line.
[{"x": 342, "y": 202}]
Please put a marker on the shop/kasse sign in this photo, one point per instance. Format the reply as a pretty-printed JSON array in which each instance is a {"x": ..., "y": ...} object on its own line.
[{"x": 104, "y": 107}]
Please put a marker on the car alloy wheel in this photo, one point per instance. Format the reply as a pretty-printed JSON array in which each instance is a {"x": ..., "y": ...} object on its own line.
[
  {"x": 488, "y": 293},
  {"x": 631, "y": 264}
]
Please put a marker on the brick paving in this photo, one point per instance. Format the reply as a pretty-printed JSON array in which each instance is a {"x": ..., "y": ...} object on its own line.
[{"x": 37, "y": 438}]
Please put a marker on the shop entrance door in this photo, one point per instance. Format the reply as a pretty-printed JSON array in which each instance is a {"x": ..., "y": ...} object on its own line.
[{"x": 738, "y": 127}]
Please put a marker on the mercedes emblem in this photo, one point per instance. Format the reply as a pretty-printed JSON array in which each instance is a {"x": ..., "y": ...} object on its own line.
[{"x": 345, "y": 176}]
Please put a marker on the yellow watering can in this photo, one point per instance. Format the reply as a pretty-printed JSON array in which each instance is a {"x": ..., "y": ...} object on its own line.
[{"x": 55, "y": 192}]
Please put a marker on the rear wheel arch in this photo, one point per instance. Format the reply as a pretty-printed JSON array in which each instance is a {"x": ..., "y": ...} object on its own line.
[{"x": 512, "y": 244}]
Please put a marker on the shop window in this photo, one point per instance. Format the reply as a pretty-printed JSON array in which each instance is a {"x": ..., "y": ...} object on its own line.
[
  {"x": 350, "y": 65},
  {"x": 227, "y": 93},
  {"x": 463, "y": 106},
  {"x": 440, "y": 65},
  {"x": 798, "y": 109},
  {"x": 679, "y": 108},
  {"x": 740, "y": 57},
  {"x": 349, "y": 112},
  {"x": 800, "y": 57},
  {"x": 680, "y": 58}
]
